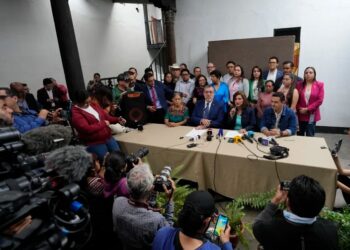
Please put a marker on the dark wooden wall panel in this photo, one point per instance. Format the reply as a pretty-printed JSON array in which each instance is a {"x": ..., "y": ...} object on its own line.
[{"x": 250, "y": 52}]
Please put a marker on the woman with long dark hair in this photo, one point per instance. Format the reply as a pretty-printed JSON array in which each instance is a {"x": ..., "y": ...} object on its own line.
[
  {"x": 289, "y": 91},
  {"x": 256, "y": 85},
  {"x": 239, "y": 83},
  {"x": 311, "y": 94}
]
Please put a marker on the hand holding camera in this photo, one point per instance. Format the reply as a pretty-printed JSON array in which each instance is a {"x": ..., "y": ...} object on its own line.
[{"x": 280, "y": 196}]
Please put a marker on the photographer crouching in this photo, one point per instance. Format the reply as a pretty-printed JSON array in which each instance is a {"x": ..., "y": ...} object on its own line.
[{"x": 135, "y": 222}]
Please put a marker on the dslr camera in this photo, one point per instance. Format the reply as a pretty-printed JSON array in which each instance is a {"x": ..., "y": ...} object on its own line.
[
  {"x": 133, "y": 158},
  {"x": 163, "y": 179}
]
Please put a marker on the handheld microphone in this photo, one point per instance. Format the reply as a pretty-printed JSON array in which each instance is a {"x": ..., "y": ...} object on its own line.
[
  {"x": 209, "y": 134},
  {"x": 246, "y": 137},
  {"x": 273, "y": 142}
]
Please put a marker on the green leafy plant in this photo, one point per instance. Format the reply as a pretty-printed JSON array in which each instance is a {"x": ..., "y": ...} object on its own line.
[
  {"x": 257, "y": 201},
  {"x": 179, "y": 197},
  {"x": 234, "y": 212},
  {"x": 342, "y": 218}
]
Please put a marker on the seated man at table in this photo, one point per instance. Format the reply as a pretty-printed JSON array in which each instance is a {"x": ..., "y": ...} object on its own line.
[
  {"x": 278, "y": 120},
  {"x": 298, "y": 226},
  {"x": 208, "y": 112}
]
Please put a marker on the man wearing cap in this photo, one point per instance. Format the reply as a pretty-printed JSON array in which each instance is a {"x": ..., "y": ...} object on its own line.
[
  {"x": 121, "y": 88},
  {"x": 194, "y": 220},
  {"x": 175, "y": 71}
]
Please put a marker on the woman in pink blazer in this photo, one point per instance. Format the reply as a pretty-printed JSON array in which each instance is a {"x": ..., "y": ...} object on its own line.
[{"x": 311, "y": 94}]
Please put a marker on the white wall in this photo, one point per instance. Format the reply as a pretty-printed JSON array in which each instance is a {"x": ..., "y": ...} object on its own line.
[
  {"x": 325, "y": 37},
  {"x": 110, "y": 37}
]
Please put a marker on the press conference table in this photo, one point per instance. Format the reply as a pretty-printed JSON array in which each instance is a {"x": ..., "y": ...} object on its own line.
[{"x": 230, "y": 169}]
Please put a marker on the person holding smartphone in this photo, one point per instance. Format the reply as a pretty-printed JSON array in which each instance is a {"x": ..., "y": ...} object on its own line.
[
  {"x": 194, "y": 220},
  {"x": 343, "y": 182}
]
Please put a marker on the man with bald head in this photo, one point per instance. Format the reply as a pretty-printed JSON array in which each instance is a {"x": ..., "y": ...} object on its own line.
[{"x": 210, "y": 67}]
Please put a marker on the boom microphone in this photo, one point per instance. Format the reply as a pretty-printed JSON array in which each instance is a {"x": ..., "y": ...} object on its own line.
[
  {"x": 44, "y": 139},
  {"x": 70, "y": 162}
]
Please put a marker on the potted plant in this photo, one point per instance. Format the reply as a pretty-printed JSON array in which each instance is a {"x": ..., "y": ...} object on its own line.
[{"x": 234, "y": 212}]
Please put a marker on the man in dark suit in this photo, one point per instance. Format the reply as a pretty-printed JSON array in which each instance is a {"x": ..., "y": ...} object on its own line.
[
  {"x": 155, "y": 94},
  {"x": 287, "y": 69},
  {"x": 208, "y": 112},
  {"x": 47, "y": 96},
  {"x": 273, "y": 73}
]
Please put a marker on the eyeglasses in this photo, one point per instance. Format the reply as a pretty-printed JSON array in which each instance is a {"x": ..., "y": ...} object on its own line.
[
  {"x": 272, "y": 62},
  {"x": 209, "y": 91},
  {"x": 185, "y": 74},
  {"x": 131, "y": 73}
]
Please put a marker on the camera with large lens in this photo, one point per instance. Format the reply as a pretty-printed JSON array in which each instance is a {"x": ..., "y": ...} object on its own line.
[
  {"x": 163, "y": 179},
  {"x": 134, "y": 157}
]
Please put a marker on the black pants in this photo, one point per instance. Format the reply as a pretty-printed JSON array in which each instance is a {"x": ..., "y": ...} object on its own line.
[
  {"x": 157, "y": 116},
  {"x": 346, "y": 181}
]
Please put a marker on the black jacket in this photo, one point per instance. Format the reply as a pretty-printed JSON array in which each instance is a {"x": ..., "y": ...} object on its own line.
[
  {"x": 274, "y": 232},
  {"x": 43, "y": 96},
  {"x": 248, "y": 120}
]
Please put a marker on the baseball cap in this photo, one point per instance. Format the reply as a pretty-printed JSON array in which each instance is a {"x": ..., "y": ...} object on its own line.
[{"x": 201, "y": 202}]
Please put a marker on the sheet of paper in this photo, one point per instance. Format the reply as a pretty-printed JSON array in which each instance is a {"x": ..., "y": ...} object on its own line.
[
  {"x": 194, "y": 133},
  {"x": 232, "y": 133}
]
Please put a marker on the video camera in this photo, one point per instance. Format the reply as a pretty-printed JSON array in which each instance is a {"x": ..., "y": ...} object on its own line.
[{"x": 57, "y": 219}]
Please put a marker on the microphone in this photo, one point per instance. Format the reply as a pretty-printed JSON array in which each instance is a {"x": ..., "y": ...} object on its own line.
[
  {"x": 263, "y": 141},
  {"x": 209, "y": 134},
  {"x": 246, "y": 137},
  {"x": 273, "y": 142},
  {"x": 195, "y": 138},
  {"x": 70, "y": 162},
  {"x": 44, "y": 139}
]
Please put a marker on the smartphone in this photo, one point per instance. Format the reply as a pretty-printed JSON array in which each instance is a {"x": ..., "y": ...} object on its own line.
[
  {"x": 337, "y": 147},
  {"x": 220, "y": 225}
]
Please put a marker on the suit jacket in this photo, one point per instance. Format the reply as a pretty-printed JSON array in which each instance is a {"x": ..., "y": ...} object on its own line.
[
  {"x": 161, "y": 90},
  {"x": 248, "y": 120},
  {"x": 278, "y": 75},
  {"x": 42, "y": 97},
  {"x": 32, "y": 103},
  {"x": 316, "y": 99},
  {"x": 216, "y": 114}
]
